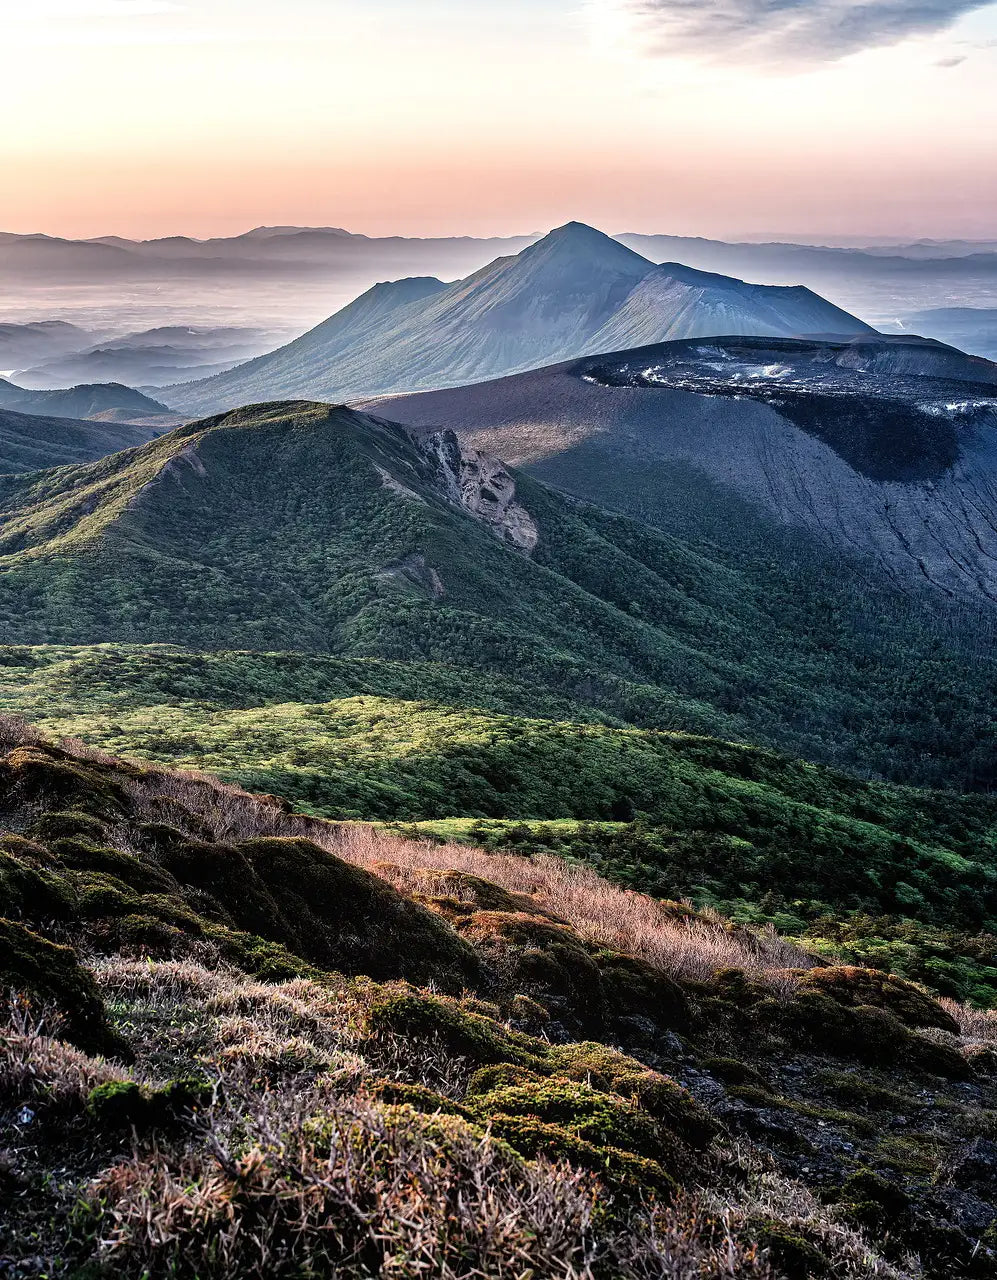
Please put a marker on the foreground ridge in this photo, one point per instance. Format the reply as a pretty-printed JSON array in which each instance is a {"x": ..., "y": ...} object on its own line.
[{"x": 263, "y": 1042}]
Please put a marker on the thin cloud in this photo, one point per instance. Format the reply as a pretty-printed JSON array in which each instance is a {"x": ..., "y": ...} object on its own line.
[{"x": 802, "y": 31}]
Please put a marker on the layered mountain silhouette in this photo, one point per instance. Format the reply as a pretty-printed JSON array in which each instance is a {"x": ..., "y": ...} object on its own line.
[
  {"x": 105, "y": 401},
  {"x": 573, "y": 292},
  {"x": 885, "y": 448},
  {"x": 151, "y": 358},
  {"x": 22, "y": 344}
]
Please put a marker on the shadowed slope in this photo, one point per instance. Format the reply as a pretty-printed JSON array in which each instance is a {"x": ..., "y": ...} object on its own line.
[
  {"x": 309, "y": 528},
  {"x": 883, "y": 448},
  {"x": 29, "y": 442}
]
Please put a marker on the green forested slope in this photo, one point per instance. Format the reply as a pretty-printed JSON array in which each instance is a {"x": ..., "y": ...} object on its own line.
[
  {"x": 275, "y": 529},
  {"x": 899, "y": 877},
  {"x": 31, "y": 442},
  {"x": 308, "y": 602}
]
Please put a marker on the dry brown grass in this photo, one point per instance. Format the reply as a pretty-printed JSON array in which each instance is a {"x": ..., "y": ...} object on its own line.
[
  {"x": 370, "y": 1191},
  {"x": 634, "y": 923},
  {"x": 763, "y": 1193},
  {"x": 38, "y": 1069},
  {"x": 374, "y": 1190},
  {"x": 316, "y": 1178},
  {"x": 180, "y": 1011},
  {"x": 622, "y": 919},
  {"x": 227, "y": 812},
  {"x": 976, "y": 1026},
  {"x": 257, "y": 1187},
  {"x": 15, "y": 731},
  {"x": 693, "y": 1239},
  {"x": 180, "y": 1014}
]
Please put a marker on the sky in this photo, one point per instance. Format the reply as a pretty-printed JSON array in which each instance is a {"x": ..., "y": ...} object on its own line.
[{"x": 426, "y": 117}]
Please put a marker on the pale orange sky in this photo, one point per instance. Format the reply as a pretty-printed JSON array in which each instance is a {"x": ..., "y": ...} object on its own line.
[{"x": 145, "y": 117}]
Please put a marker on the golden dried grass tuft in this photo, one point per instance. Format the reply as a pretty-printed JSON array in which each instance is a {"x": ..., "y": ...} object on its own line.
[{"x": 683, "y": 945}]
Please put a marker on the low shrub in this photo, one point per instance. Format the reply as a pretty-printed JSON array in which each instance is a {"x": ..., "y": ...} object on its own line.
[
  {"x": 600, "y": 1118},
  {"x": 467, "y": 1035},
  {"x": 50, "y": 976}
]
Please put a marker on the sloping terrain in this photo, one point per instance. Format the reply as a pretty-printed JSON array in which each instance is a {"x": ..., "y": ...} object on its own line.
[
  {"x": 29, "y": 442},
  {"x": 885, "y": 282},
  {"x": 884, "y": 448},
  {"x": 862, "y": 866},
  {"x": 971, "y": 328},
  {"x": 107, "y": 401},
  {"x": 300, "y": 527},
  {"x": 575, "y": 291},
  {"x": 678, "y": 302},
  {"x": 258, "y": 1044}
]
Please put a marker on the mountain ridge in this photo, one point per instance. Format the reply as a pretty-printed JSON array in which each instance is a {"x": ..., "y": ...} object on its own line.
[
  {"x": 565, "y": 295},
  {"x": 32, "y": 442},
  {"x": 111, "y": 400},
  {"x": 319, "y": 529}
]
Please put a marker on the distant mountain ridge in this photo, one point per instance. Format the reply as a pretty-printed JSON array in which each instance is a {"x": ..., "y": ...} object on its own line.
[
  {"x": 149, "y": 358},
  {"x": 574, "y": 292},
  {"x": 291, "y": 277},
  {"x": 108, "y": 401},
  {"x": 22, "y": 344}
]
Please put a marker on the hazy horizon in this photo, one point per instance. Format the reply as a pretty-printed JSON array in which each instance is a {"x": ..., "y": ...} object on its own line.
[
  {"x": 148, "y": 118},
  {"x": 851, "y": 239}
]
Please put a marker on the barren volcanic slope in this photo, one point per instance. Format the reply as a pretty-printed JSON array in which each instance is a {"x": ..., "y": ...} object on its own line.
[
  {"x": 886, "y": 448},
  {"x": 573, "y": 292}
]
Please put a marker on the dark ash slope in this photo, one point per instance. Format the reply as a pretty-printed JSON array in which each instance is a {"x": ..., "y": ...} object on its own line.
[{"x": 885, "y": 448}]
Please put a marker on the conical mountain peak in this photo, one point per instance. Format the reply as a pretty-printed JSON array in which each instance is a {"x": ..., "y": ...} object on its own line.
[
  {"x": 577, "y": 232},
  {"x": 578, "y": 239},
  {"x": 574, "y": 292}
]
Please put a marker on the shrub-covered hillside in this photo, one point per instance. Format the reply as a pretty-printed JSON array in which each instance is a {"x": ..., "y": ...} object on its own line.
[
  {"x": 324, "y": 531},
  {"x": 901, "y": 876},
  {"x": 256, "y": 1044},
  {"x": 30, "y": 441}
]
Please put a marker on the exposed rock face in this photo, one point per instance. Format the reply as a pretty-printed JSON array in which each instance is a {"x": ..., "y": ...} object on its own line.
[
  {"x": 885, "y": 449},
  {"x": 177, "y": 469},
  {"x": 186, "y": 455},
  {"x": 413, "y": 573},
  {"x": 482, "y": 486},
  {"x": 396, "y": 486}
]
